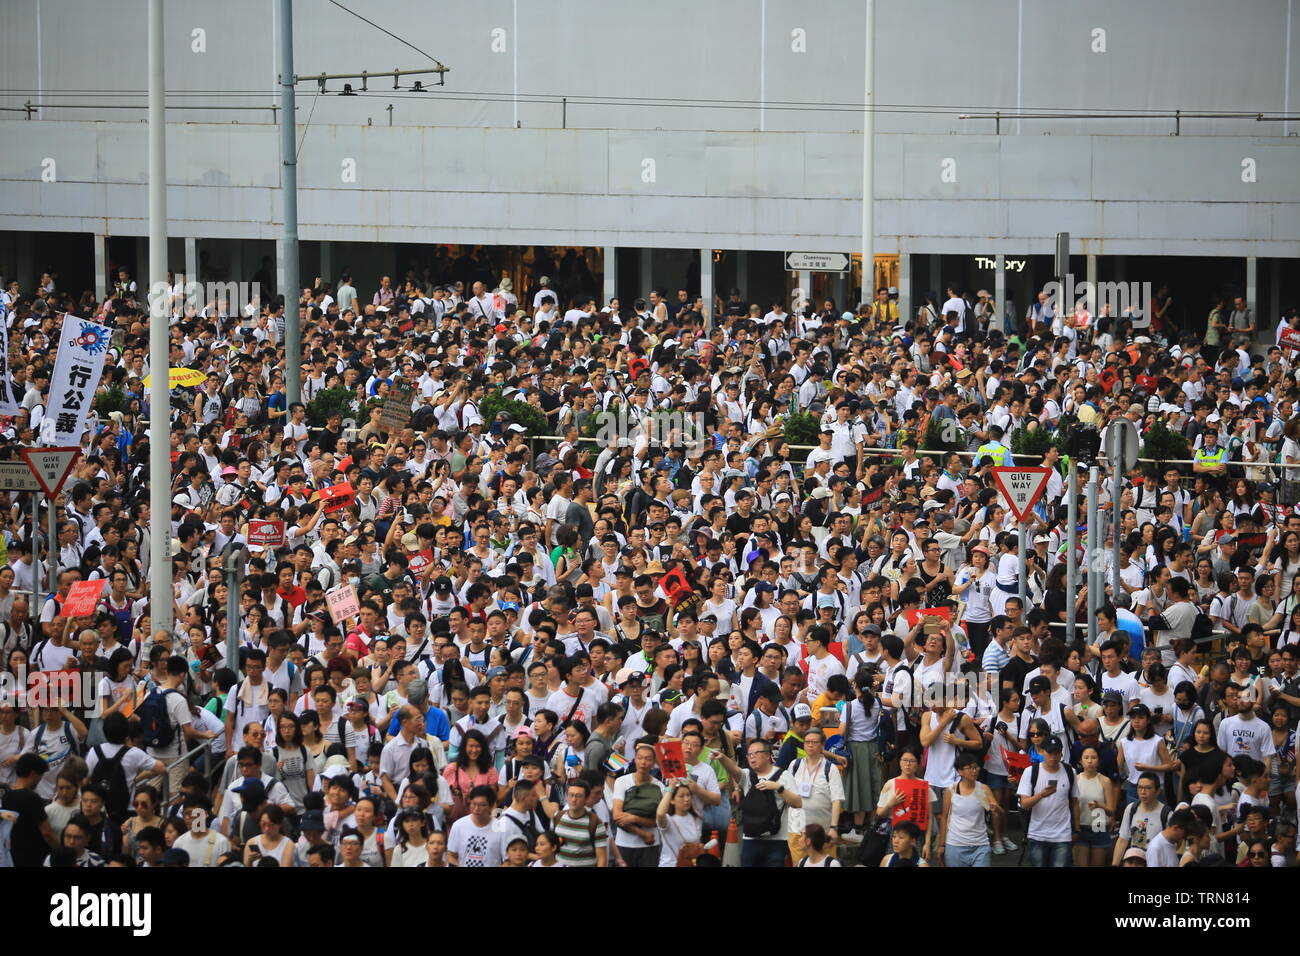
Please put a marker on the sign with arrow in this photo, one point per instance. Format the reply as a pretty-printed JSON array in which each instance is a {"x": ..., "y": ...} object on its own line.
[
  {"x": 1021, "y": 488},
  {"x": 51, "y": 466},
  {"x": 817, "y": 261}
]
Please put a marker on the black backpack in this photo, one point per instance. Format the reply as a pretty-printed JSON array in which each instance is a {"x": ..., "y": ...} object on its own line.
[
  {"x": 156, "y": 728},
  {"x": 760, "y": 811},
  {"x": 109, "y": 772},
  {"x": 1033, "y": 782}
]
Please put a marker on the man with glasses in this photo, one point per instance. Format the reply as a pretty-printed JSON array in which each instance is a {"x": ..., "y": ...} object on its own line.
[
  {"x": 249, "y": 762},
  {"x": 760, "y": 785}
]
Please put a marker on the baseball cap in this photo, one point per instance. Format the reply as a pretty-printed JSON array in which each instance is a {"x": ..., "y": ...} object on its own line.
[
  {"x": 523, "y": 730},
  {"x": 802, "y": 712},
  {"x": 1133, "y": 853},
  {"x": 442, "y": 584},
  {"x": 1040, "y": 685},
  {"x": 1051, "y": 744},
  {"x": 411, "y": 541},
  {"x": 629, "y": 676},
  {"x": 497, "y": 671}
]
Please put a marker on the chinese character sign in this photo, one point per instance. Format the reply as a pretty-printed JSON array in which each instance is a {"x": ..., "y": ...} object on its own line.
[{"x": 83, "y": 346}]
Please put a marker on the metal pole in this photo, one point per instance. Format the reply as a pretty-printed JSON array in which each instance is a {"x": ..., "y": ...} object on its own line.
[
  {"x": 1116, "y": 457},
  {"x": 289, "y": 274},
  {"x": 38, "y": 592},
  {"x": 160, "y": 415},
  {"x": 232, "y": 621},
  {"x": 1072, "y": 554},
  {"x": 52, "y": 546},
  {"x": 1094, "y": 552},
  {"x": 1024, "y": 571},
  {"x": 868, "y": 159}
]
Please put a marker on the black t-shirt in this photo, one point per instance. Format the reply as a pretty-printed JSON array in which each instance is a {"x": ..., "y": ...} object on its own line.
[
  {"x": 28, "y": 846},
  {"x": 1014, "y": 673}
]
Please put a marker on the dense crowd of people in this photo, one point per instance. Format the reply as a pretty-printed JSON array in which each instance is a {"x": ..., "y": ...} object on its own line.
[{"x": 589, "y": 600}]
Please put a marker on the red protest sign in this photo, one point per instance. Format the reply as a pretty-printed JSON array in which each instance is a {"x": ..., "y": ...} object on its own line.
[
  {"x": 1289, "y": 339},
  {"x": 419, "y": 561},
  {"x": 82, "y": 598},
  {"x": 672, "y": 761},
  {"x": 674, "y": 584},
  {"x": 268, "y": 534},
  {"x": 336, "y": 497},
  {"x": 916, "y": 802},
  {"x": 912, "y": 615}
]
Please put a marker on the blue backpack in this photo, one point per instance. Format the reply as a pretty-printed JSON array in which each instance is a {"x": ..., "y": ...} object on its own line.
[{"x": 156, "y": 728}]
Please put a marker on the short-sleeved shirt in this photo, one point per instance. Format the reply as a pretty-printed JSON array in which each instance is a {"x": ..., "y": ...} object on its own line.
[{"x": 476, "y": 846}]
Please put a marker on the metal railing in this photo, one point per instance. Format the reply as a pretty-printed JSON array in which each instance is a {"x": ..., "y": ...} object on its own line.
[{"x": 164, "y": 789}]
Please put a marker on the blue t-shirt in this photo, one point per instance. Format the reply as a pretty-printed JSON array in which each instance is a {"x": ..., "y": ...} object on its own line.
[
  {"x": 1132, "y": 626},
  {"x": 435, "y": 723}
]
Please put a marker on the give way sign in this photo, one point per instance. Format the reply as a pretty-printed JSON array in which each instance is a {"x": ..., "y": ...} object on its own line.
[{"x": 1021, "y": 488}]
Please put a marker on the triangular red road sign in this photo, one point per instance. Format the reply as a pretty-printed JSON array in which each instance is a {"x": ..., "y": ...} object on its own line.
[
  {"x": 1021, "y": 488},
  {"x": 51, "y": 466}
]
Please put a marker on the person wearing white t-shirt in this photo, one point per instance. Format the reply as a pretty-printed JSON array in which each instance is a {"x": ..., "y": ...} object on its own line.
[
  {"x": 136, "y": 764},
  {"x": 1162, "y": 849},
  {"x": 1046, "y": 793},
  {"x": 637, "y": 837},
  {"x": 1244, "y": 734},
  {"x": 474, "y": 840},
  {"x": 768, "y": 849}
]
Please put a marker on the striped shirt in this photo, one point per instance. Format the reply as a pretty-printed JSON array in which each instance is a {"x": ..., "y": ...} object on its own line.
[
  {"x": 995, "y": 658},
  {"x": 577, "y": 845}
]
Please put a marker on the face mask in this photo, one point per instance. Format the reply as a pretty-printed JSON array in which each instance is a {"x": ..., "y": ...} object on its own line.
[{"x": 354, "y": 580}]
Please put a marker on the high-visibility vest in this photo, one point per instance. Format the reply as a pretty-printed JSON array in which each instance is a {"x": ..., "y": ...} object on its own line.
[
  {"x": 1215, "y": 458},
  {"x": 1000, "y": 454}
]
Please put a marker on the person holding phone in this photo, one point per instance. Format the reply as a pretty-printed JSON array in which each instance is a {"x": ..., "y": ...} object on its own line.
[{"x": 1046, "y": 794}]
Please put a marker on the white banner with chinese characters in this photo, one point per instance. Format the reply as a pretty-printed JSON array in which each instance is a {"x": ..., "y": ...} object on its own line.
[{"x": 83, "y": 346}]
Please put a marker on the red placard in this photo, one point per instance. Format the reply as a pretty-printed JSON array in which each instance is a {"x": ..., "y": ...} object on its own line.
[
  {"x": 916, "y": 802},
  {"x": 672, "y": 761},
  {"x": 268, "y": 534},
  {"x": 912, "y": 615},
  {"x": 1289, "y": 339},
  {"x": 337, "y": 497},
  {"x": 419, "y": 561},
  {"x": 674, "y": 585},
  {"x": 82, "y": 598}
]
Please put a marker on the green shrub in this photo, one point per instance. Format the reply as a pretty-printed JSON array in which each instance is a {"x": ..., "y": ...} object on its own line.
[
  {"x": 1164, "y": 444},
  {"x": 111, "y": 399},
  {"x": 1033, "y": 441},
  {"x": 533, "y": 419},
  {"x": 327, "y": 402},
  {"x": 934, "y": 437},
  {"x": 802, "y": 428}
]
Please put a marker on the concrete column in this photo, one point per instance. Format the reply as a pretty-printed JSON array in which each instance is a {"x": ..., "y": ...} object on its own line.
[
  {"x": 905, "y": 309},
  {"x": 999, "y": 293},
  {"x": 1092, "y": 274},
  {"x": 191, "y": 260},
  {"x": 101, "y": 267},
  {"x": 1252, "y": 285},
  {"x": 647, "y": 272},
  {"x": 611, "y": 274},
  {"x": 327, "y": 262},
  {"x": 706, "y": 285}
]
